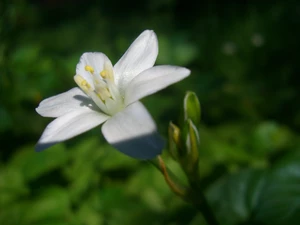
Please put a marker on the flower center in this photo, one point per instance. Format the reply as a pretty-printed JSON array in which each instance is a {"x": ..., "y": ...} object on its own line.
[{"x": 104, "y": 91}]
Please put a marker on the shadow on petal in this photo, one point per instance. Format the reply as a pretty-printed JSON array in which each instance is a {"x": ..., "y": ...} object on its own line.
[
  {"x": 141, "y": 147},
  {"x": 86, "y": 101},
  {"x": 133, "y": 132},
  {"x": 42, "y": 146}
]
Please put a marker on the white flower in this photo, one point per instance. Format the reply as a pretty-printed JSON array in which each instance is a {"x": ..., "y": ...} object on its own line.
[{"x": 110, "y": 94}]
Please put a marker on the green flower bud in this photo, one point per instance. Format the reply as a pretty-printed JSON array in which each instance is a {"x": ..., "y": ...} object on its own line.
[
  {"x": 190, "y": 161},
  {"x": 191, "y": 106},
  {"x": 174, "y": 140},
  {"x": 192, "y": 142}
]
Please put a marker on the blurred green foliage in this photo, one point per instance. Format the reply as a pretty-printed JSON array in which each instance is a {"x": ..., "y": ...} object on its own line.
[{"x": 244, "y": 59}]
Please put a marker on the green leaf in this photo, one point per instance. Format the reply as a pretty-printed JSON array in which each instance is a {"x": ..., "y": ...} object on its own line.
[
  {"x": 6, "y": 120},
  {"x": 89, "y": 211},
  {"x": 81, "y": 170},
  {"x": 35, "y": 164},
  {"x": 13, "y": 214},
  {"x": 113, "y": 159},
  {"x": 119, "y": 207},
  {"x": 269, "y": 137},
  {"x": 234, "y": 196},
  {"x": 154, "y": 188},
  {"x": 52, "y": 204},
  {"x": 269, "y": 197},
  {"x": 12, "y": 186},
  {"x": 279, "y": 201}
]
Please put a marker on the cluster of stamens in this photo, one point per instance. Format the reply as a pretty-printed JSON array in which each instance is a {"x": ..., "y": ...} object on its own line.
[{"x": 104, "y": 93}]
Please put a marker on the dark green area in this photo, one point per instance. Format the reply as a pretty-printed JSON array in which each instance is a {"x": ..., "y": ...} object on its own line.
[{"x": 244, "y": 57}]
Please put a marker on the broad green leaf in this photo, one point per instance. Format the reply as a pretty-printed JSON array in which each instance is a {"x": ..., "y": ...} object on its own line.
[
  {"x": 234, "y": 196},
  {"x": 81, "y": 171},
  {"x": 52, "y": 204},
  {"x": 120, "y": 207},
  {"x": 269, "y": 197},
  {"x": 35, "y": 164},
  {"x": 89, "y": 212},
  {"x": 26, "y": 54},
  {"x": 279, "y": 200},
  {"x": 12, "y": 186},
  {"x": 113, "y": 159},
  {"x": 6, "y": 120},
  {"x": 269, "y": 137},
  {"x": 13, "y": 213},
  {"x": 149, "y": 185}
]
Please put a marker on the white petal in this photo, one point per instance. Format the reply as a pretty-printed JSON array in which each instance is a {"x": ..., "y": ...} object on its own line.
[
  {"x": 141, "y": 55},
  {"x": 70, "y": 125},
  {"x": 95, "y": 60},
  {"x": 64, "y": 103},
  {"x": 153, "y": 80},
  {"x": 133, "y": 132}
]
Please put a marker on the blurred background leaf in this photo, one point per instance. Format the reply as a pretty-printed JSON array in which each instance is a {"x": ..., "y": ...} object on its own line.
[{"x": 254, "y": 196}]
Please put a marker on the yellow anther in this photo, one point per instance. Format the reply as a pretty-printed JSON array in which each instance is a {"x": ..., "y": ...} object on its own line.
[
  {"x": 89, "y": 69},
  {"x": 85, "y": 84},
  {"x": 82, "y": 83},
  {"x": 109, "y": 73},
  {"x": 103, "y": 74}
]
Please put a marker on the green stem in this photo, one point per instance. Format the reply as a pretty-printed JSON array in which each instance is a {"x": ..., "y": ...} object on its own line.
[
  {"x": 170, "y": 178},
  {"x": 193, "y": 195},
  {"x": 208, "y": 212},
  {"x": 198, "y": 199}
]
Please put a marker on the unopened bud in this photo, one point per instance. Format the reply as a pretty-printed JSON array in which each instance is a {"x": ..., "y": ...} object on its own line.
[
  {"x": 174, "y": 140},
  {"x": 192, "y": 109},
  {"x": 192, "y": 143}
]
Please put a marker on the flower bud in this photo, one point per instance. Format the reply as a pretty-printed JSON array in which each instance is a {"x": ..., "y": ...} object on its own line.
[
  {"x": 174, "y": 140},
  {"x": 192, "y": 143},
  {"x": 191, "y": 106}
]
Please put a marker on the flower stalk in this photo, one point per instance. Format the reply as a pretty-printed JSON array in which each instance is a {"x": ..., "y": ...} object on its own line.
[
  {"x": 172, "y": 181},
  {"x": 184, "y": 146},
  {"x": 192, "y": 194}
]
